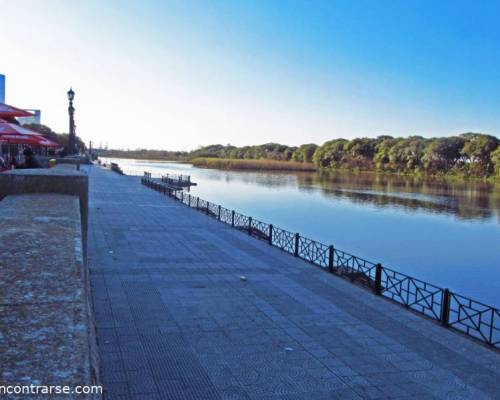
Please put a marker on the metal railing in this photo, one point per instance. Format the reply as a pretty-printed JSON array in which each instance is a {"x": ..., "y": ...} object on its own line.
[
  {"x": 182, "y": 180},
  {"x": 452, "y": 310}
]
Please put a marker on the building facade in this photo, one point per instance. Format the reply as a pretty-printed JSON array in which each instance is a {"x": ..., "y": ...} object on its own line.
[
  {"x": 35, "y": 119},
  {"x": 2, "y": 88}
]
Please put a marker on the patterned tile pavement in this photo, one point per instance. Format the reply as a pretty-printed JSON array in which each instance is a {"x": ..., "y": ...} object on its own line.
[{"x": 176, "y": 321}]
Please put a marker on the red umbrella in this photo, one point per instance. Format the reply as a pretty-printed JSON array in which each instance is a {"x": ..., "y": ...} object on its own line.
[
  {"x": 7, "y": 111},
  {"x": 48, "y": 143},
  {"x": 15, "y": 134}
]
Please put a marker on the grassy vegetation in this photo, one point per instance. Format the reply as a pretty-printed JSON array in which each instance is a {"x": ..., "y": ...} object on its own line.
[{"x": 258, "y": 165}]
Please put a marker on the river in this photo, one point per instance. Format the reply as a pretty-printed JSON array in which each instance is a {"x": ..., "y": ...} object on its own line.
[{"x": 441, "y": 231}]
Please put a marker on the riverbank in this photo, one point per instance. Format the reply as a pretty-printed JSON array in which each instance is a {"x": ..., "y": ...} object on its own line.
[
  {"x": 255, "y": 165},
  {"x": 272, "y": 165}
]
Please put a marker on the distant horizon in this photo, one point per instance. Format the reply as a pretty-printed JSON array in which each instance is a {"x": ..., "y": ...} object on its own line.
[{"x": 265, "y": 71}]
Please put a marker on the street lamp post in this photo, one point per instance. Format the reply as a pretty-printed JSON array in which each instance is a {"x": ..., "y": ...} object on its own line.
[{"x": 72, "y": 135}]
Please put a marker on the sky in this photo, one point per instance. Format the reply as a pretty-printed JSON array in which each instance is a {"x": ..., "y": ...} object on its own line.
[{"x": 181, "y": 74}]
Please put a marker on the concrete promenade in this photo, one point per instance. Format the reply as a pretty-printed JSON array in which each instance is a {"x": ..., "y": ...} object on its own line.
[{"x": 175, "y": 321}]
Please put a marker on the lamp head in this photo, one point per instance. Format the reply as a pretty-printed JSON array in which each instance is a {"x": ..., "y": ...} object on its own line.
[{"x": 71, "y": 94}]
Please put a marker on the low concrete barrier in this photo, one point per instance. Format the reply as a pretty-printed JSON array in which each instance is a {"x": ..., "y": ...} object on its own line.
[
  {"x": 62, "y": 179},
  {"x": 47, "y": 334}
]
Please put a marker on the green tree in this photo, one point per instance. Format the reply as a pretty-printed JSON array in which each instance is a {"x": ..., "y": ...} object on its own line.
[
  {"x": 477, "y": 150},
  {"x": 441, "y": 154},
  {"x": 304, "y": 153},
  {"x": 495, "y": 159},
  {"x": 330, "y": 154}
]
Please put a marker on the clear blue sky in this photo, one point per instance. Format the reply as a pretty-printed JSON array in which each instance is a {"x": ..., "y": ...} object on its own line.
[{"x": 179, "y": 74}]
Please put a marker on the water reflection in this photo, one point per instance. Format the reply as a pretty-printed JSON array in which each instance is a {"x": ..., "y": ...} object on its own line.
[{"x": 465, "y": 200}]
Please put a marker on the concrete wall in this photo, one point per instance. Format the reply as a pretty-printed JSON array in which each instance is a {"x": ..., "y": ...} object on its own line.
[
  {"x": 63, "y": 179},
  {"x": 47, "y": 334}
]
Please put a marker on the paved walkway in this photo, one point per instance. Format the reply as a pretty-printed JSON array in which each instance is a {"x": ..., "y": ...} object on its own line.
[{"x": 175, "y": 321}]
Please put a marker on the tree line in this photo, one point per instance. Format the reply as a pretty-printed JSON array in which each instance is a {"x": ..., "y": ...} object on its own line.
[{"x": 468, "y": 154}]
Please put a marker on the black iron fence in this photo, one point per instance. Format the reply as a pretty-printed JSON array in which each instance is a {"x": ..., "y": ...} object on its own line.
[{"x": 458, "y": 312}]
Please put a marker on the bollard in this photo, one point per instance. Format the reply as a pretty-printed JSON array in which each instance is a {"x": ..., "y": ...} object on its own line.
[
  {"x": 331, "y": 253},
  {"x": 445, "y": 308},
  {"x": 378, "y": 279}
]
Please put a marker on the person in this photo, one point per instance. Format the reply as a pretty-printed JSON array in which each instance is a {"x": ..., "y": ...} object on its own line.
[
  {"x": 3, "y": 164},
  {"x": 30, "y": 161},
  {"x": 13, "y": 161}
]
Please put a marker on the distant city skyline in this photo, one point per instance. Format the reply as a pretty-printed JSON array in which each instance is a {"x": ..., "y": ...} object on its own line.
[{"x": 176, "y": 75}]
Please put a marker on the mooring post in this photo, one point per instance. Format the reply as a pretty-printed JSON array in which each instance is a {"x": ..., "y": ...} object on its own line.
[
  {"x": 378, "y": 279},
  {"x": 296, "y": 251},
  {"x": 249, "y": 225},
  {"x": 270, "y": 235},
  {"x": 232, "y": 218},
  {"x": 445, "y": 308},
  {"x": 331, "y": 253},
  {"x": 218, "y": 213}
]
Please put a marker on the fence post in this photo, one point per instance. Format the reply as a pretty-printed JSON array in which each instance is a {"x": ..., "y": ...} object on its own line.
[
  {"x": 249, "y": 225},
  {"x": 218, "y": 213},
  {"x": 445, "y": 308},
  {"x": 270, "y": 234},
  {"x": 197, "y": 203},
  {"x": 378, "y": 279},
  {"x": 296, "y": 251},
  {"x": 331, "y": 253},
  {"x": 232, "y": 218},
  {"x": 207, "y": 207}
]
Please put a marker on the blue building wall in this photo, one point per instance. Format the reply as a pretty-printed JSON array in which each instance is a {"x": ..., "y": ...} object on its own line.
[{"x": 2, "y": 88}]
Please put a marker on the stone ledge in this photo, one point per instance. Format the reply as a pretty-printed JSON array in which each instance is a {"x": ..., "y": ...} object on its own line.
[
  {"x": 63, "y": 179},
  {"x": 47, "y": 332}
]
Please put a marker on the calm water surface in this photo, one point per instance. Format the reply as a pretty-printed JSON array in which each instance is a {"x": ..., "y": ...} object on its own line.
[{"x": 447, "y": 233}]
